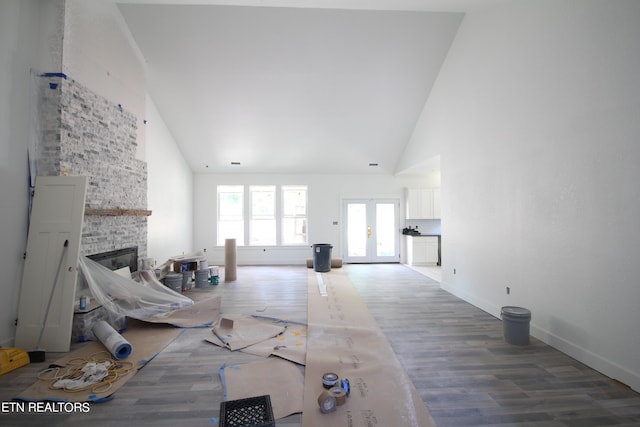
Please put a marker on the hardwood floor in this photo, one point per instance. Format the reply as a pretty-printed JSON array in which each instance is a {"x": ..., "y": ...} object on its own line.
[
  {"x": 431, "y": 271},
  {"x": 453, "y": 352},
  {"x": 468, "y": 376}
]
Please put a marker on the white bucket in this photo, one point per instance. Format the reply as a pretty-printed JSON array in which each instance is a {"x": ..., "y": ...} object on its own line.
[
  {"x": 202, "y": 278},
  {"x": 173, "y": 281}
]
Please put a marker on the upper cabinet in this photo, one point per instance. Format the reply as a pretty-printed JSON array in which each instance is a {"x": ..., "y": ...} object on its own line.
[
  {"x": 436, "y": 203},
  {"x": 423, "y": 203}
]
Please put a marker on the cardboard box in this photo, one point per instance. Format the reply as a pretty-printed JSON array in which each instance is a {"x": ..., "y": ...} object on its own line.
[{"x": 180, "y": 266}]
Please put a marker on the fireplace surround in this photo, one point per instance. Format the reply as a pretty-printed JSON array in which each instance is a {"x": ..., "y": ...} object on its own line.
[
  {"x": 82, "y": 133},
  {"x": 117, "y": 259}
]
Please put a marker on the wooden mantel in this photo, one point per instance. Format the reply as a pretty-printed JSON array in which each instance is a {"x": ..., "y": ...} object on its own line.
[{"x": 117, "y": 212}]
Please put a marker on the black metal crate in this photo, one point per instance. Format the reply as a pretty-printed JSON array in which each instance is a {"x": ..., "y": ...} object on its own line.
[{"x": 250, "y": 412}]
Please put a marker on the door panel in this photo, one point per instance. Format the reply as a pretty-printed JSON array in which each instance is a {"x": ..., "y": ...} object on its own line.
[
  {"x": 56, "y": 217},
  {"x": 371, "y": 230}
]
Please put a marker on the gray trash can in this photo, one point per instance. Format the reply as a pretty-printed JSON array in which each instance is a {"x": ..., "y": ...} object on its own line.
[
  {"x": 515, "y": 324},
  {"x": 322, "y": 257}
]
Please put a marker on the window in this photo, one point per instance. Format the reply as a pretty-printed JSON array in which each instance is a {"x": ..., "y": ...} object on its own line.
[
  {"x": 294, "y": 214},
  {"x": 262, "y": 227},
  {"x": 276, "y": 215},
  {"x": 231, "y": 213}
]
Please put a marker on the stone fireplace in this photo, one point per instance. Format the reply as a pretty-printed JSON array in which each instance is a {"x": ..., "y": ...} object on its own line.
[
  {"x": 82, "y": 133},
  {"x": 78, "y": 132}
]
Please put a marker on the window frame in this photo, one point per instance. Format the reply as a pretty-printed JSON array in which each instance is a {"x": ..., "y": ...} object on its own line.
[
  {"x": 253, "y": 217},
  {"x": 279, "y": 217},
  {"x": 231, "y": 189},
  {"x": 295, "y": 216}
]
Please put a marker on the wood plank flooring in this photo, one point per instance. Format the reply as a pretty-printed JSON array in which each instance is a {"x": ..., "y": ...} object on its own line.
[{"x": 453, "y": 352}]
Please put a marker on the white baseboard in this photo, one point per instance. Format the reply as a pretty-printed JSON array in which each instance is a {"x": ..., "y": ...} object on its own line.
[{"x": 593, "y": 360}]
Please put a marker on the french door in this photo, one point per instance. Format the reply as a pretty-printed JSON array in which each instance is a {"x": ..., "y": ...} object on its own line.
[{"x": 372, "y": 231}]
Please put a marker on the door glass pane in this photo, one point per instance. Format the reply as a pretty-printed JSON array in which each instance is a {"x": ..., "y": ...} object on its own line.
[
  {"x": 356, "y": 229},
  {"x": 385, "y": 229}
]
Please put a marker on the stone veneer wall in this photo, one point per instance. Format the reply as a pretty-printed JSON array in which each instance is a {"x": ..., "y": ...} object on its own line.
[{"x": 82, "y": 133}]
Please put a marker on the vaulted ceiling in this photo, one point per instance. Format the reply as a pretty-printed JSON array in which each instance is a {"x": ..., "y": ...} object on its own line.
[{"x": 290, "y": 90}]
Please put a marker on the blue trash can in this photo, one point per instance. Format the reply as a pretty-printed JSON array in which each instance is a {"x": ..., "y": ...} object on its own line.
[{"x": 322, "y": 257}]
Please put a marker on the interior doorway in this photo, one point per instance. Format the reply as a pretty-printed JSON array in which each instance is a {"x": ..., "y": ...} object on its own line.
[{"x": 372, "y": 230}]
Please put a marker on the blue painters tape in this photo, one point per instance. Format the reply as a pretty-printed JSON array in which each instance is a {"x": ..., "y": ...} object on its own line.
[
  {"x": 344, "y": 383},
  {"x": 202, "y": 325},
  {"x": 223, "y": 380},
  {"x": 61, "y": 75},
  {"x": 95, "y": 399},
  {"x": 214, "y": 420},
  {"x": 123, "y": 351},
  {"x": 53, "y": 86}
]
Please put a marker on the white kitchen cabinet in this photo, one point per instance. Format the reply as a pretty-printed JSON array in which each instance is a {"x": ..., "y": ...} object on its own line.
[
  {"x": 436, "y": 203},
  {"x": 423, "y": 203},
  {"x": 422, "y": 250}
]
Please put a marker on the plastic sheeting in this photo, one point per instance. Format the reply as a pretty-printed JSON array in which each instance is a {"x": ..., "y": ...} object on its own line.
[{"x": 123, "y": 296}]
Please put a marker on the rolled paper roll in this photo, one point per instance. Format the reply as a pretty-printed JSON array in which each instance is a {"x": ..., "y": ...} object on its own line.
[
  {"x": 327, "y": 402},
  {"x": 340, "y": 394},
  {"x": 329, "y": 380},
  {"x": 346, "y": 385},
  {"x": 230, "y": 268},
  {"x": 112, "y": 340}
]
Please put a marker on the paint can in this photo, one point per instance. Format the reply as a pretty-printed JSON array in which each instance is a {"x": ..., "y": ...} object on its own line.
[
  {"x": 146, "y": 263},
  {"x": 173, "y": 281},
  {"x": 186, "y": 280},
  {"x": 202, "y": 278}
]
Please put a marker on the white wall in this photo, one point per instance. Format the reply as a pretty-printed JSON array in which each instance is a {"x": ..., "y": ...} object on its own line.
[
  {"x": 325, "y": 196},
  {"x": 170, "y": 192},
  {"x": 99, "y": 53},
  {"x": 536, "y": 116},
  {"x": 28, "y": 33}
]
